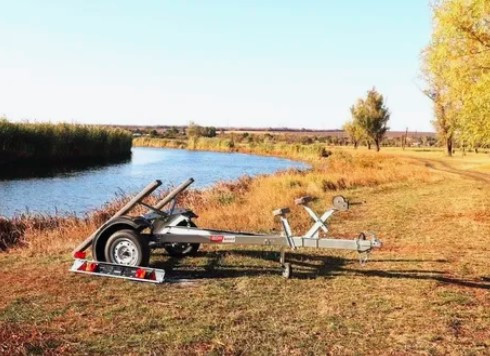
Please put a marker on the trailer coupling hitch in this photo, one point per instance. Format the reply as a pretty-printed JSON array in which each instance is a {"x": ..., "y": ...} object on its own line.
[{"x": 364, "y": 253}]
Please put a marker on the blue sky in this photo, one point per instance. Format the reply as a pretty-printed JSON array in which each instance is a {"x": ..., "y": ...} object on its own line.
[{"x": 224, "y": 63}]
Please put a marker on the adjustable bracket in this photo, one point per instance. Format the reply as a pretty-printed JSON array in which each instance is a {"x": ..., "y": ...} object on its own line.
[{"x": 285, "y": 225}]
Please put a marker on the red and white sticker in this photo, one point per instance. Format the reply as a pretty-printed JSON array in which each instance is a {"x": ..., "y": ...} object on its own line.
[
  {"x": 216, "y": 238},
  {"x": 222, "y": 239}
]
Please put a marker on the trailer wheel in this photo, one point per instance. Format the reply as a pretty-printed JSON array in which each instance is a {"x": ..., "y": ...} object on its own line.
[
  {"x": 287, "y": 270},
  {"x": 127, "y": 247}
]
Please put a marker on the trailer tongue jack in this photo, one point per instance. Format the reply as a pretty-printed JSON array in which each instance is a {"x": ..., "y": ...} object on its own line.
[{"x": 121, "y": 247}]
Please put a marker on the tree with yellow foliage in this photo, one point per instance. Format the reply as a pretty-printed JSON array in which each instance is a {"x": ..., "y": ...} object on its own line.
[
  {"x": 355, "y": 132},
  {"x": 456, "y": 65}
]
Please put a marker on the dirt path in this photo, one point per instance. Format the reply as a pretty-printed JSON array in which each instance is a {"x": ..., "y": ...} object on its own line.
[{"x": 445, "y": 167}]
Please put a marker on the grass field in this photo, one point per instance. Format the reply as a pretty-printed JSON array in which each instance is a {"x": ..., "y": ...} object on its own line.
[{"x": 427, "y": 291}]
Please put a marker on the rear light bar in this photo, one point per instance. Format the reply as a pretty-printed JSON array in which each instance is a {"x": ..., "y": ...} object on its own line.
[{"x": 104, "y": 269}]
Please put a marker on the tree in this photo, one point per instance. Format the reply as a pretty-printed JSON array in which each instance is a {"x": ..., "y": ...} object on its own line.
[
  {"x": 372, "y": 116},
  {"x": 355, "y": 132},
  {"x": 445, "y": 120},
  {"x": 194, "y": 130},
  {"x": 154, "y": 133},
  {"x": 456, "y": 66},
  {"x": 209, "y": 131},
  {"x": 171, "y": 132}
]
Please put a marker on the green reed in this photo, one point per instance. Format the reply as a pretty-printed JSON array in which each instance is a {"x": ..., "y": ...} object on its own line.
[{"x": 60, "y": 141}]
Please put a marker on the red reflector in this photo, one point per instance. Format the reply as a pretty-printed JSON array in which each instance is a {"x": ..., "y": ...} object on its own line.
[
  {"x": 80, "y": 254},
  {"x": 152, "y": 276},
  {"x": 216, "y": 238},
  {"x": 140, "y": 273},
  {"x": 91, "y": 267},
  {"x": 83, "y": 267}
]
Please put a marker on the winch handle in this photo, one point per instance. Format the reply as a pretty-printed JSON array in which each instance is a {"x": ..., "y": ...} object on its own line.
[{"x": 357, "y": 202}]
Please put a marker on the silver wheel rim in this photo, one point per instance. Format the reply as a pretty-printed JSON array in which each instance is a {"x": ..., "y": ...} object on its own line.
[{"x": 125, "y": 252}]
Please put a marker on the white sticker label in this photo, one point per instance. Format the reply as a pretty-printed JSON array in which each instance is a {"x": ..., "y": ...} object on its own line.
[{"x": 228, "y": 239}]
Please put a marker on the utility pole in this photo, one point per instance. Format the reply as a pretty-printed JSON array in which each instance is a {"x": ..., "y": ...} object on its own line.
[{"x": 404, "y": 139}]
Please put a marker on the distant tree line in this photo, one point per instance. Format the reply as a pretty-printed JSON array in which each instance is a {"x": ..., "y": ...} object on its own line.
[
  {"x": 332, "y": 138},
  {"x": 173, "y": 132},
  {"x": 339, "y": 139}
]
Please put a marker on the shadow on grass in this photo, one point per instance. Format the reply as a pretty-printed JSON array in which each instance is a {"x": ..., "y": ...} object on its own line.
[{"x": 304, "y": 267}]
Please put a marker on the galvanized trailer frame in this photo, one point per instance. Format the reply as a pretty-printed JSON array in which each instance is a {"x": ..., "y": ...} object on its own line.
[
  {"x": 123, "y": 240},
  {"x": 178, "y": 234}
]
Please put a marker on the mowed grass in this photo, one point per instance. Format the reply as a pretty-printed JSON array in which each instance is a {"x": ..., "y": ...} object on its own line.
[
  {"x": 426, "y": 291},
  {"x": 469, "y": 161}
]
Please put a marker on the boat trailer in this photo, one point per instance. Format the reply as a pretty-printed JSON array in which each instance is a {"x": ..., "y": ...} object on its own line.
[{"x": 121, "y": 247}]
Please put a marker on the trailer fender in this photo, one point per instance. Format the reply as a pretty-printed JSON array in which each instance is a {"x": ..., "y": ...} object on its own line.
[{"x": 120, "y": 223}]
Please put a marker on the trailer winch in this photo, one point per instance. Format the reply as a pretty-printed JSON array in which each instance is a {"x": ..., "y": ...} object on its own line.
[{"x": 121, "y": 247}]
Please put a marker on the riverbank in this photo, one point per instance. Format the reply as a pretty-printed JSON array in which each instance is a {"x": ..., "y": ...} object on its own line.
[
  {"x": 23, "y": 143},
  {"x": 425, "y": 291},
  {"x": 282, "y": 149}
]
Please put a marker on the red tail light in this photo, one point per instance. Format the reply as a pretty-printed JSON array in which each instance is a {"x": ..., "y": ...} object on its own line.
[
  {"x": 80, "y": 254},
  {"x": 91, "y": 267},
  {"x": 83, "y": 267},
  {"x": 140, "y": 273}
]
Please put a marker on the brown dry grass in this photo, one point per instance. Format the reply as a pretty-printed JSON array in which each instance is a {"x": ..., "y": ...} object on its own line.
[
  {"x": 425, "y": 292},
  {"x": 248, "y": 203}
]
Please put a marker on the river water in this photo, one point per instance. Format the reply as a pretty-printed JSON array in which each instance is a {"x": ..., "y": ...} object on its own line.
[{"x": 81, "y": 190}]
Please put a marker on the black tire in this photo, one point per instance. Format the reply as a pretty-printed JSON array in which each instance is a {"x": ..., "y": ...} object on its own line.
[
  {"x": 127, "y": 247},
  {"x": 182, "y": 249}
]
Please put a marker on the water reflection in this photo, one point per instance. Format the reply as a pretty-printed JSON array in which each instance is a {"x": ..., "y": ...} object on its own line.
[{"x": 41, "y": 169}]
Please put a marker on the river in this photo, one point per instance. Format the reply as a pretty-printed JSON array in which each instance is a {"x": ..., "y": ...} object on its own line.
[{"x": 79, "y": 191}]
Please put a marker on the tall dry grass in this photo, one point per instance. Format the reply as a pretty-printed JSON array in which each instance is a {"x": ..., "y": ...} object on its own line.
[
  {"x": 247, "y": 203},
  {"x": 11, "y": 232},
  {"x": 20, "y": 141}
]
